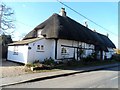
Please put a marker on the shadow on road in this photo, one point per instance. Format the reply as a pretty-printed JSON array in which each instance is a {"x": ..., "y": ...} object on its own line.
[
  {"x": 117, "y": 68},
  {"x": 109, "y": 66}
]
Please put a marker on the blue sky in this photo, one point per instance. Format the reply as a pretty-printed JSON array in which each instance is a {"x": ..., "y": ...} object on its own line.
[{"x": 30, "y": 14}]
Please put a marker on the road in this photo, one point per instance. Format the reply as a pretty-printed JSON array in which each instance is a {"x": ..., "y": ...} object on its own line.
[{"x": 107, "y": 78}]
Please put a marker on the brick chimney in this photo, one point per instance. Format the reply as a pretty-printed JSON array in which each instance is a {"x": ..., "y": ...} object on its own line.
[
  {"x": 62, "y": 12},
  {"x": 86, "y": 24},
  {"x": 94, "y": 30},
  {"x": 107, "y": 35}
]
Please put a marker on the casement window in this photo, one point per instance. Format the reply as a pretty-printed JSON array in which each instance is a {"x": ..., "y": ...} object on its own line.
[
  {"x": 63, "y": 50},
  {"x": 40, "y": 47},
  {"x": 15, "y": 50}
]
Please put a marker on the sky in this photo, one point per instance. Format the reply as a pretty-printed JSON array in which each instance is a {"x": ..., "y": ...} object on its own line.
[{"x": 30, "y": 14}]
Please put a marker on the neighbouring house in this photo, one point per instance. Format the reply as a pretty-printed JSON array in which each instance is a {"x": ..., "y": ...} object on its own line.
[{"x": 60, "y": 38}]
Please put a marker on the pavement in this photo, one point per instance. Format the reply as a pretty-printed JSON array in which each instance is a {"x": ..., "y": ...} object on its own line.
[{"x": 48, "y": 75}]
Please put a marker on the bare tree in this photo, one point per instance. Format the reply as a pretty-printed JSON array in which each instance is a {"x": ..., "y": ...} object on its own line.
[{"x": 6, "y": 19}]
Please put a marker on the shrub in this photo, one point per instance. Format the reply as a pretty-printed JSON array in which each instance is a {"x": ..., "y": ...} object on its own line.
[
  {"x": 89, "y": 59},
  {"x": 116, "y": 57},
  {"x": 72, "y": 62},
  {"x": 81, "y": 52},
  {"x": 36, "y": 61},
  {"x": 37, "y": 66},
  {"x": 49, "y": 61},
  {"x": 30, "y": 65}
]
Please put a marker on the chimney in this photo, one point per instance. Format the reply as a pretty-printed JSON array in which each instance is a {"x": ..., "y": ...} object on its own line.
[
  {"x": 62, "y": 12},
  {"x": 86, "y": 24},
  {"x": 107, "y": 35},
  {"x": 94, "y": 30}
]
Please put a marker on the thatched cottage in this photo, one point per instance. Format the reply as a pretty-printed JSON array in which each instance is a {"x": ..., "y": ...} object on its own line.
[{"x": 60, "y": 37}]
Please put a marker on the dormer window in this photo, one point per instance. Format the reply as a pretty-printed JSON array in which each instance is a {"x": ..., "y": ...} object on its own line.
[{"x": 39, "y": 33}]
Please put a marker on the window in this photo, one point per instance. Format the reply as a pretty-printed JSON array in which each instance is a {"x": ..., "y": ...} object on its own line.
[
  {"x": 39, "y": 33},
  {"x": 63, "y": 50},
  {"x": 15, "y": 50},
  {"x": 40, "y": 47}
]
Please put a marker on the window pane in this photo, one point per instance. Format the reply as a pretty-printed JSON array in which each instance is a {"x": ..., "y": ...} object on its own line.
[
  {"x": 63, "y": 50},
  {"x": 42, "y": 47},
  {"x": 38, "y": 47},
  {"x": 15, "y": 50}
]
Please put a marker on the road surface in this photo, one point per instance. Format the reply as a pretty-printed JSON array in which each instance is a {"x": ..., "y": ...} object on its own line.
[{"x": 107, "y": 78}]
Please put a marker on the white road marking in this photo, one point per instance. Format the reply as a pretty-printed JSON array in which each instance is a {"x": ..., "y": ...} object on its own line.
[
  {"x": 92, "y": 86},
  {"x": 101, "y": 86},
  {"x": 113, "y": 78}
]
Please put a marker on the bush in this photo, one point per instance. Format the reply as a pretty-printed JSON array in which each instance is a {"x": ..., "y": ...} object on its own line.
[
  {"x": 36, "y": 65},
  {"x": 49, "y": 61},
  {"x": 116, "y": 57},
  {"x": 89, "y": 59},
  {"x": 36, "y": 61},
  {"x": 71, "y": 62}
]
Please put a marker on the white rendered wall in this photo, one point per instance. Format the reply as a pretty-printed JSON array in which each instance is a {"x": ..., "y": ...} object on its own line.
[
  {"x": 70, "y": 51},
  {"x": 21, "y": 56},
  {"x": 88, "y": 51},
  {"x": 107, "y": 54},
  {"x": 110, "y": 53},
  {"x": 48, "y": 51}
]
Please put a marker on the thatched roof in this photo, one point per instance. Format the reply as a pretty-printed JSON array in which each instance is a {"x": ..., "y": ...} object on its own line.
[
  {"x": 63, "y": 27},
  {"x": 107, "y": 42}
]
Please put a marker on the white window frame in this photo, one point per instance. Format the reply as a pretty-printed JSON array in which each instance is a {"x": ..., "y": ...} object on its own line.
[
  {"x": 65, "y": 51},
  {"x": 40, "y": 48},
  {"x": 15, "y": 50}
]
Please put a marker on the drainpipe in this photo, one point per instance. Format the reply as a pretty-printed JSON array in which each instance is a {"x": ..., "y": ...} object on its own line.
[{"x": 56, "y": 41}]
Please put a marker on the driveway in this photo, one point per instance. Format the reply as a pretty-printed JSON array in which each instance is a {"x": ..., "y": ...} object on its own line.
[{"x": 9, "y": 69}]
